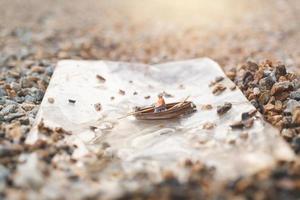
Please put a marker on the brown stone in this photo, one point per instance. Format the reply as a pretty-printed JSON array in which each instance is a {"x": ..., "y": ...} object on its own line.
[
  {"x": 208, "y": 125},
  {"x": 231, "y": 74},
  {"x": 264, "y": 98},
  {"x": 217, "y": 80},
  {"x": 296, "y": 115},
  {"x": 280, "y": 71},
  {"x": 224, "y": 108},
  {"x": 206, "y": 107},
  {"x": 168, "y": 175},
  {"x": 251, "y": 96},
  {"x": 38, "y": 69},
  {"x": 252, "y": 66},
  {"x": 280, "y": 87},
  {"x": 269, "y": 107},
  {"x": 278, "y": 105},
  {"x": 248, "y": 123},
  {"x": 282, "y": 96},
  {"x": 63, "y": 55},
  {"x": 100, "y": 78},
  {"x": 282, "y": 79},
  {"x": 218, "y": 89},
  {"x": 232, "y": 87},
  {"x": 14, "y": 131},
  {"x": 122, "y": 92},
  {"x": 276, "y": 118},
  {"x": 287, "y": 133},
  {"x": 98, "y": 107},
  {"x": 259, "y": 74},
  {"x": 279, "y": 124}
]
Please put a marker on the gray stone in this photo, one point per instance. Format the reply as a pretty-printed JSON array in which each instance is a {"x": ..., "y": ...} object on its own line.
[
  {"x": 12, "y": 116},
  {"x": 26, "y": 83},
  {"x": 2, "y": 100},
  {"x": 266, "y": 83},
  {"x": 4, "y": 173},
  {"x": 267, "y": 73},
  {"x": 24, "y": 52},
  {"x": 291, "y": 105},
  {"x": 19, "y": 99},
  {"x": 24, "y": 120},
  {"x": 10, "y": 80},
  {"x": 8, "y": 101},
  {"x": 2, "y": 118},
  {"x": 296, "y": 144},
  {"x": 16, "y": 86},
  {"x": 39, "y": 95},
  {"x": 11, "y": 108},
  {"x": 3, "y": 59},
  {"x": 4, "y": 151},
  {"x": 33, "y": 112},
  {"x": 35, "y": 95},
  {"x": 2, "y": 92},
  {"x": 295, "y": 95},
  {"x": 29, "y": 98},
  {"x": 49, "y": 70},
  {"x": 296, "y": 83}
]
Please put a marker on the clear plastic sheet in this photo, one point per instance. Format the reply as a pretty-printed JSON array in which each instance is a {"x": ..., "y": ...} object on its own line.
[{"x": 154, "y": 146}]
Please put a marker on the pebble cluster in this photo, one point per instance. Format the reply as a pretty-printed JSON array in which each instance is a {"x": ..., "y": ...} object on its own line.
[
  {"x": 282, "y": 182},
  {"x": 275, "y": 93}
]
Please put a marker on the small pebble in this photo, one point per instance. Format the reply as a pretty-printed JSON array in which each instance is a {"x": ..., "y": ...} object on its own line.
[
  {"x": 38, "y": 69},
  {"x": 208, "y": 125},
  {"x": 100, "y": 78},
  {"x": 218, "y": 89},
  {"x": 121, "y": 92},
  {"x": 206, "y": 107},
  {"x": 72, "y": 101},
  {"x": 221, "y": 110},
  {"x": 51, "y": 100},
  {"x": 98, "y": 107}
]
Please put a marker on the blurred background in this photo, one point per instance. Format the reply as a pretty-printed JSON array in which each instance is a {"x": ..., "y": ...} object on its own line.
[{"x": 153, "y": 31}]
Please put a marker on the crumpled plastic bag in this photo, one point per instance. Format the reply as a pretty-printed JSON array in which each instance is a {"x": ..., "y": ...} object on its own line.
[{"x": 153, "y": 146}]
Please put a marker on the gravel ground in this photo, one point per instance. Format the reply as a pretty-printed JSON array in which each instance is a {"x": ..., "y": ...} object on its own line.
[{"x": 34, "y": 35}]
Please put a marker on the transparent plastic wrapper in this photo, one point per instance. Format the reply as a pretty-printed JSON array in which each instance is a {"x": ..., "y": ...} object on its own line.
[{"x": 88, "y": 98}]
